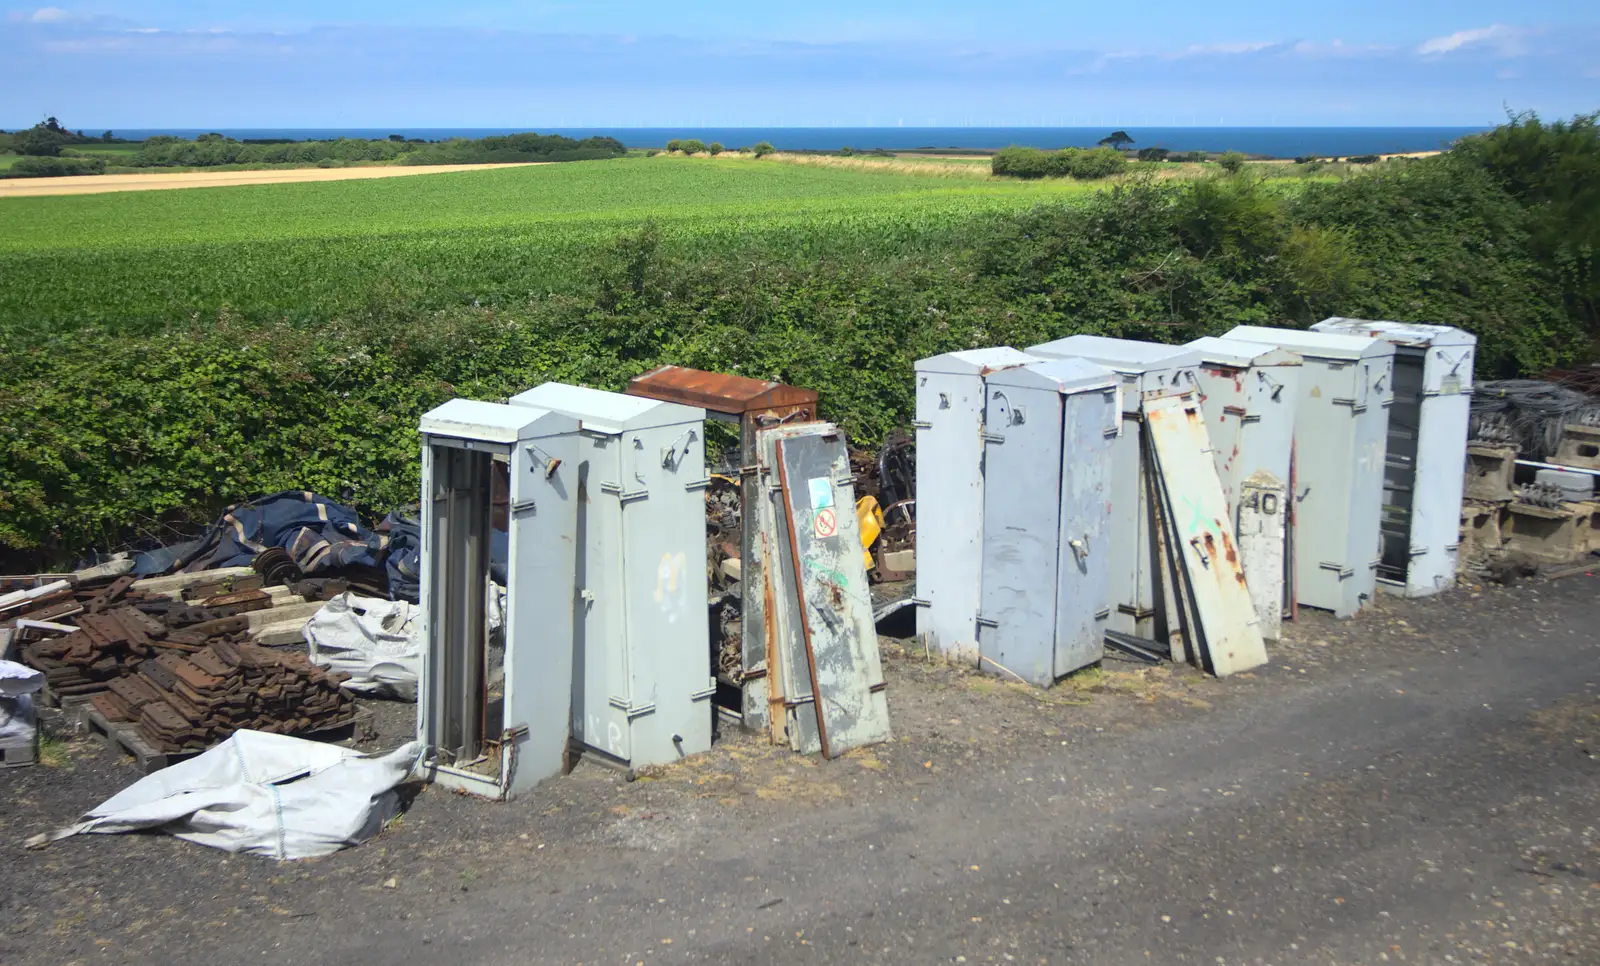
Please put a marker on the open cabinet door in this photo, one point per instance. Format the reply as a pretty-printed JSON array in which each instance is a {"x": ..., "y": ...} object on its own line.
[{"x": 1227, "y": 631}]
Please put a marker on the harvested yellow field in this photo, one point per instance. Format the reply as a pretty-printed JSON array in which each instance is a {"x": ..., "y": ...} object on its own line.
[{"x": 94, "y": 184}]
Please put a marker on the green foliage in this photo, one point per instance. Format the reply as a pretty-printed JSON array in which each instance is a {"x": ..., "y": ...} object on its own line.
[
  {"x": 171, "y": 352},
  {"x": 763, "y": 148},
  {"x": 1030, "y": 163},
  {"x": 715, "y": 148},
  {"x": 1441, "y": 242},
  {"x": 513, "y": 148},
  {"x": 688, "y": 146},
  {"x": 1364, "y": 159},
  {"x": 47, "y": 167},
  {"x": 1553, "y": 169},
  {"x": 1116, "y": 140},
  {"x": 1231, "y": 161},
  {"x": 40, "y": 142},
  {"x": 1154, "y": 154}
]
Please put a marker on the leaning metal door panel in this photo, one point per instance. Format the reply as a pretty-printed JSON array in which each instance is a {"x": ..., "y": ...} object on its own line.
[
  {"x": 1022, "y": 512},
  {"x": 1228, "y": 633},
  {"x": 788, "y": 666},
  {"x": 1090, "y": 427},
  {"x": 835, "y": 604}
]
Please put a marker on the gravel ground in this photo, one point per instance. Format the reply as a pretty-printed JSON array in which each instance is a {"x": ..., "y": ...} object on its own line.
[{"x": 1417, "y": 785}]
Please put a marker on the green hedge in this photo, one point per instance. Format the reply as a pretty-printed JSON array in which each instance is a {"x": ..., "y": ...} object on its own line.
[
  {"x": 46, "y": 167},
  {"x": 1082, "y": 163},
  {"x": 105, "y": 437}
]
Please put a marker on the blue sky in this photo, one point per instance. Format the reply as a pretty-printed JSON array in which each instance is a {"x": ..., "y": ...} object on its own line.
[{"x": 363, "y": 63}]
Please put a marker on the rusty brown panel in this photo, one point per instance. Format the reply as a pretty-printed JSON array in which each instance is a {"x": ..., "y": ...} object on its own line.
[{"x": 719, "y": 392}]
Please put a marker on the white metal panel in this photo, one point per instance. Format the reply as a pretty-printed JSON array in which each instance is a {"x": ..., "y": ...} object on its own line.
[
  {"x": 1228, "y": 634},
  {"x": 1250, "y": 394},
  {"x": 1092, "y": 426},
  {"x": 1147, "y": 370},
  {"x": 539, "y": 632},
  {"x": 642, "y": 685},
  {"x": 1048, "y": 427},
  {"x": 1446, "y": 356},
  {"x": 949, "y": 427},
  {"x": 1261, "y": 545},
  {"x": 608, "y": 412},
  {"x": 1341, "y": 423}
]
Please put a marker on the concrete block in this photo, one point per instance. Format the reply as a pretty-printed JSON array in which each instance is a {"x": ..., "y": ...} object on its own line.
[
  {"x": 1580, "y": 446},
  {"x": 731, "y": 567},
  {"x": 176, "y": 582},
  {"x": 1481, "y": 533},
  {"x": 1550, "y": 536},
  {"x": 904, "y": 561},
  {"x": 1489, "y": 472}
]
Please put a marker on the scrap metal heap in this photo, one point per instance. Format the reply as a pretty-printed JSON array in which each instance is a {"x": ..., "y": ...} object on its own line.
[{"x": 182, "y": 671}]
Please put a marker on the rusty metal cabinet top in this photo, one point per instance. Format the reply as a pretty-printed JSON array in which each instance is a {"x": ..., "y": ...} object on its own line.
[{"x": 718, "y": 392}]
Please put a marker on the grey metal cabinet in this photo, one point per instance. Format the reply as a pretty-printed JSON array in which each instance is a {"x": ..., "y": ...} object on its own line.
[
  {"x": 1341, "y": 425},
  {"x": 950, "y": 495},
  {"x": 641, "y": 682},
  {"x": 1427, "y": 448},
  {"x": 476, "y": 740},
  {"x": 1049, "y": 431},
  {"x": 1143, "y": 369}
]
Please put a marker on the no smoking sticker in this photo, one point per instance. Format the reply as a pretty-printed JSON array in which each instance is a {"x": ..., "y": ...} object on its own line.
[{"x": 826, "y": 524}]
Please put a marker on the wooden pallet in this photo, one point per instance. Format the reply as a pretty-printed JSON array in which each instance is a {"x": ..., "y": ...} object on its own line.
[{"x": 125, "y": 737}]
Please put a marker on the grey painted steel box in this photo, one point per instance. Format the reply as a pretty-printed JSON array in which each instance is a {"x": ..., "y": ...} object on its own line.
[
  {"x": 1143, "y": 368},
  {"x": 950, "y": 480},
  {"x": 1429, "y": 426},
  {"x": 1050, "y": 429},
  {"x": 1341, "y": 427},
  {"x": 541, "y": 448},
  {"x": 642, "y": 684}
]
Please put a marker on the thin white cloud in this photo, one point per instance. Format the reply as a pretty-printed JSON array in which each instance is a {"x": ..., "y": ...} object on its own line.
[
  {"x": 1506, "y": 40},
  {"x": 1242, "y": 47},
  {"x": 49, "y": 15}
]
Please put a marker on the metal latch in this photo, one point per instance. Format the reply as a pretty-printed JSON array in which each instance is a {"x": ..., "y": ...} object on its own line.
[
  {"x": 988, "y": 622},
  {"x": 992, "y": 437},
  {"x": 921, "y": 424},
  {"x": 1080, "y": 548}
]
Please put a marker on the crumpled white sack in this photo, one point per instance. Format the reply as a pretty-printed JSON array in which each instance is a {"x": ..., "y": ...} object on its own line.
[
  {"x": 377, "y": 642},
  {"x": 265, "y": 794},
  {"x": 18, "y": 717}
]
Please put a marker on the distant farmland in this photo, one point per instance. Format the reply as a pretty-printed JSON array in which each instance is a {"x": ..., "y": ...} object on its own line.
[{"x": 307, "y": 252}]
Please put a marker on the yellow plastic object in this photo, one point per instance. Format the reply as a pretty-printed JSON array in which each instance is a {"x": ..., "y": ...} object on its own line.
[{"x": 870, "y": 516}]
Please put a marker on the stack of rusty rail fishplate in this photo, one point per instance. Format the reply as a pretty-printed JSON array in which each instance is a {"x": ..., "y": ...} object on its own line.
[
  {"x": 181, "y": 671},
  {"x": 183, "y": 702}
]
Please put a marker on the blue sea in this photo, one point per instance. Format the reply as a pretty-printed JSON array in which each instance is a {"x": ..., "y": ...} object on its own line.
[{"x": 1278, "y": 142}]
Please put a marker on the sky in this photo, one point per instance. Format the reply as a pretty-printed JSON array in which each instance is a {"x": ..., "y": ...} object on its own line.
[{"x": 637, "y": 63}]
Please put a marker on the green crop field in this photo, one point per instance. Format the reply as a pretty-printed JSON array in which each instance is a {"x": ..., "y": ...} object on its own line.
[{"x": 309, "y": 251}]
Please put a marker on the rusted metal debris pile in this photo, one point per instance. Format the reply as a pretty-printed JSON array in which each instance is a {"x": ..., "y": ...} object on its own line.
[
  {"x": 176, "y": 660},
  {"x": 192, "y": 702}
]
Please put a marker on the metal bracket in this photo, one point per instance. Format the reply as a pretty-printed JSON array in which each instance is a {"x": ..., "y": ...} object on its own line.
[
  {"x": 697, "y": 484},
  {"x": 524, "y": 506},
  {"x": 1342, "y": 571},
  {"x": 630, "y": 709},
  {"x": 921, "y": 424},
  {"x": 705, "y": 694},
  {"x": 992, "y": 437},
  {"x": 616, "y": 490},
  {"x": 987, "y": 622},
  {"x": 921, "y": 602}
]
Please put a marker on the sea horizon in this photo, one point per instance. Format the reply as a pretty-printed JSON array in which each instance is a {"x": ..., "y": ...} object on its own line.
[{"x": 1278, "y": 142}]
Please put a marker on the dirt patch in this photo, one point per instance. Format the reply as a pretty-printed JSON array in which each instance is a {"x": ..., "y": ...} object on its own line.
[{"x": 102, "y": 183}]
